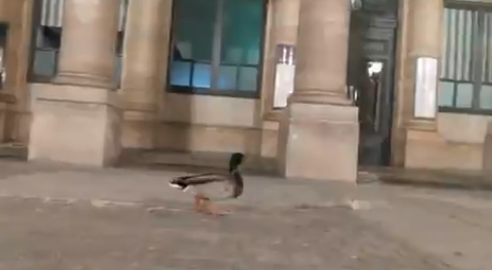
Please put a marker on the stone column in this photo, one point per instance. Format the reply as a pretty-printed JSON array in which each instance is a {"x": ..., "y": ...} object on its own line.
[
  {"x": 321, "y": 67},
  {"x": 285, "y": 17},
  {"x": 77, "y": 120},
  {"x": 285, "y": 22},
  {"x": 323, "y": 131},
  {"x": 145, "y": 63},
  {"x": 425, "y": 40},
  {"x": 88, "y": 47}
]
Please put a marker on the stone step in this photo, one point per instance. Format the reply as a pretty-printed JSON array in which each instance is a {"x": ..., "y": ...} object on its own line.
[
  {"x": 209, "y": 160},
  {"x": 14, "y": 150}
]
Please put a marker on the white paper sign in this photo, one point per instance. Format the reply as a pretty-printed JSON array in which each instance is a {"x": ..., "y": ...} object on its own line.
[
  {"x": 284, "y": 84},
  {"x": 284, "y": 75},
  {"x": 425, "y": 102}
]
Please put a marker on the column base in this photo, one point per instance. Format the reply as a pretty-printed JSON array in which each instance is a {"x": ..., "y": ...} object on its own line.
[
  {"x": 422, "y": 124},
  {"x": 322, "y": 142},
  {"x": 86, "y": 80},
  {"x": 430, "y": 150},
  {"x": 139, "y": 129},
  {"x": 321, "y": 97},
  {"x": 78, "y": 125}
]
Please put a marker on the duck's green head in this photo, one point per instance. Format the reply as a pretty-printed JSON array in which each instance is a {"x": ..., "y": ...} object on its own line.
[{"x": 235, "y": 161}]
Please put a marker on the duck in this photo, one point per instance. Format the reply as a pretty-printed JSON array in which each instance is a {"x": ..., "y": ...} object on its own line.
[{"x": 213, "y": 187}]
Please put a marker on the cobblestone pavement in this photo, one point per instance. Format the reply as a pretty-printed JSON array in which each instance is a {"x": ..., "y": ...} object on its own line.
[{"x": 52, "y": 235}]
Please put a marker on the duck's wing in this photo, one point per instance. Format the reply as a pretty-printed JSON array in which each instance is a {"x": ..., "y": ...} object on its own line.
[
  {"x": 199, "y": 179},
  {"x": 212, "y": 186}
]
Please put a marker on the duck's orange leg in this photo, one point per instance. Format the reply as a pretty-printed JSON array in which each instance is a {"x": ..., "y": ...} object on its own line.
[
  {"x": 199, "y": 202},
  {"x": 212, "y": 209}
]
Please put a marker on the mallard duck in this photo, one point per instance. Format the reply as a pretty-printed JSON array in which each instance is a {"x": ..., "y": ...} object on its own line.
[{"x": 210, "y": 187}]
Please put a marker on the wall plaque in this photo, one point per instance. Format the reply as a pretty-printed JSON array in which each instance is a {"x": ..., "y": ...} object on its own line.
[
  {"x": 425, "y": 89},
  {"x": 285, "y": 70}
]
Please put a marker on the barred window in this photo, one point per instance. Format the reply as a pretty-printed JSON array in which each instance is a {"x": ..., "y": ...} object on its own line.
[
  {"x": 48, "y": 31},
  {"x": 466, "y": 68}
]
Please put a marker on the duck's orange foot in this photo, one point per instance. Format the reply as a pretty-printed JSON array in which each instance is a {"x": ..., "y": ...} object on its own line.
[{"x": 213, "y": 210}]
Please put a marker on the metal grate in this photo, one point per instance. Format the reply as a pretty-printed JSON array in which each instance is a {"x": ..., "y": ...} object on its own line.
[
  {"x": 52, "y": 13},
  {"x": 466, "y": 68}
]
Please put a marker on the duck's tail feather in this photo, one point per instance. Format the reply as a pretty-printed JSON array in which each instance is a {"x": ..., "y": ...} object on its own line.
[{"x": 178, "y": 183}]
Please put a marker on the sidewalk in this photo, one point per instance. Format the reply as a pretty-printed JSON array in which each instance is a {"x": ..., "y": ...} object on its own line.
[
  {"x": 66, "y": 217},
  {"x": 151, "y": 186},
  {"x": 448, "y": 179}
]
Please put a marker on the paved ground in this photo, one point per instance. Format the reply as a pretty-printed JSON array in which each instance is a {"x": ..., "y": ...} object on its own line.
[
  {"x": 59, "y": 217},
  {"x": 37, "y": 235},
  {"x": 449, "y": 179},
  {"x": 455, "y": 226}
]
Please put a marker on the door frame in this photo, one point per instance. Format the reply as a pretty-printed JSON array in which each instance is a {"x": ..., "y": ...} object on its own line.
[{"x": 376, "y": 41}]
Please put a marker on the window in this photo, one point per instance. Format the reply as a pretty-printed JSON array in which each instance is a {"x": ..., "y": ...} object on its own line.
[
  {"x": 48, "y": 42},
  {"x": 47, "y": 36},
  {"x": 3, "y": 48},
  {"x": 466, "y": 73},
  {"x": 217, "y": 47}
]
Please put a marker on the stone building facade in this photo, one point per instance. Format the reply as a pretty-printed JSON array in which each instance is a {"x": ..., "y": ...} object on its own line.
[{"x": 109, "y": 87}]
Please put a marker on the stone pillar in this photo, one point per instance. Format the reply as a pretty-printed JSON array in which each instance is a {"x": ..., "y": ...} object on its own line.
[
  {"x": 77, "y": 120},
  {"x": 425, "y": 40},
  {"x": 323, "y": 131},
  {"x": 322, "y": 47},
  {"x": 145, "y": 63},
  {"x": 285, "y": 22},
  {"x": 88, "y": 47}
]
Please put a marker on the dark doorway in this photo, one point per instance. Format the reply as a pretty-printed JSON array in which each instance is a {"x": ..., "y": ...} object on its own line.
[{"x": 371, "y": 72}]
